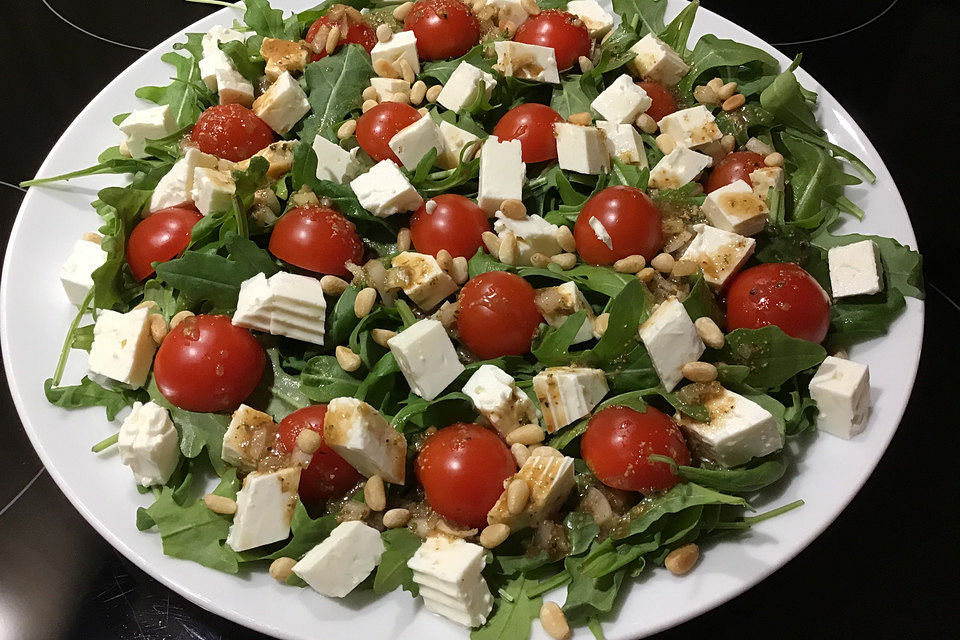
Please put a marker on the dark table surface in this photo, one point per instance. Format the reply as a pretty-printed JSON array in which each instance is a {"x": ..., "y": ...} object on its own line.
[{"x": 885, "y": 568}]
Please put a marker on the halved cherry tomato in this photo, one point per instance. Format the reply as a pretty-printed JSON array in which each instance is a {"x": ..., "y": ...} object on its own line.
[
  {"x": 377, "y": 126},
  {"x": 562, "y": 31},
  {"x": 532, "y": 124},
  {"x": 663, "y": 101},
  {"x": 619, "y": 442},
  {"x": 208, "y": 365},
  {"x": 444, "y": 28},
  {"x": 782, "y": 294},
  {"x": 161, "y": 236},
  {"x": 734, "y": 166},
  {"x": 359, "y": 32},
  {"x": 231, "y": 132},
  {"x": 497, "y": 316},
  {"x": 316, "y": 238},
  {"x": 631, "y": 220},
  {"x": 455, "y": 224},
  {"x": 462, "y": 468}
]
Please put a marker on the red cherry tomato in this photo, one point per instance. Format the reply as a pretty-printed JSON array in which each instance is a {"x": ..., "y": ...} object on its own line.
[
  {"x": 231, "y": 132},
  {"x": 630, "y": 218},
  {"x": 359, "y": 32},
  {"x": 532, "y": 124},
  {"x": 377, "y": 126},
  {"x": 444, "y": 28},
  {"x": 562, "y": 31},
  {"x": 206, "y": 364},
  {"x": 663, "y": 101},
  {"x": 779, "y": 293},
  {"x": 735, "y": 166},
  {"x": 328, "y": 475},
  {"x": 162, "y": 236},
  {"x": 318, "y": 239},
  {"x": 619, "y": 441},
  {"x": 497, "y": 316},
  {"x": 455, "y": 224},
  {"x": 462, "y": 468}
]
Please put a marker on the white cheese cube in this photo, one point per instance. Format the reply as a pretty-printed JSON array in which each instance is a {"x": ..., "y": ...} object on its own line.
[
  {"x": 464, "y": 87},
  {"x": 600, "y": 231},
  {"x": 509, "y": 10},
  {"x": 502, "y": 173},
  {"x": 76, "y": 274},
  {"x": 581, "y": 149},
  {"x": 568, "y": 393},
  {"x": 526, "y": 61},
  {"x": 764, "y": 178},
  {"x": 360, "y": 435},
  {"x": 693, "y": 128},
  {"x": 213, "y": 190},
  {"x": 656, "y": 61},
  {"x": 841, "y": 389},
  {"x": 384, "y": 190},
  {"x": 388, "y": 87},
  {"x": 283, "y": 104},
  {"x": 212, "y": 56},
  {"x": 736, "y": 208},
  {"x": 401, "y": 46},
  {"x": 556, "y": 304},
  {"x": 855, "y": 269},
  {"x": 550, "y": 480},
  {"x": 334, "y": 163},
  {"x": 176, "y": 186},
  {"x": 337, "y": 565},
  {"x": 671, "y": 340},
  {"x": 719, "y": 253},
  {"x": 454, "y": 141},
  {"x": 678, "y": 168},
  {"x": 448, "y": 571},
  {"x": 498, "y": 399},
  {"x": 147, "y": 124},
  {"x": 534, "y": 235},
  {"x": 738, "y": 431},
  {"x": 265, "y": 507},
  {"x": 595, "y": 18},
  {"x": 622, "y": 101},
  {"x": 424, "y": 281},
  {"x": 623, "y": 142},
  {"x": 247, "y": 438},
  {"x": 285, "y": 304},
  {"x": 426, "y": 357},
  {"x": 416, "y": 140},
  {"x": 148, "y": 444},
  {"x": 122, "y": 346},
  {"x": 233, "y": 88}
]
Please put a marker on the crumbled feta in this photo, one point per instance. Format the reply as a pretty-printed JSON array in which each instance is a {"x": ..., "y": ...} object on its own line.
[
  {"x": 622, "y": 101},
  {"x": 719, "y": 253},
  {"x": 855, "y": 269},
  {"x": 534, "y": 235},
  {"x": 736, "y": 208},
  {"x": 671, "y": 340},
  {"x": 76, "y": 274},
  {"x": 692, "y": 128},
  {"x": 568, "y": 393},
  {"x": 448, "y": 571},
  {"x": 556, "y": 304},
  {"x": 424, "y": 281},
  {"x": 464, "y": 86},
  {"x": 265, "y": 508},
  {"x": 454, "y": 141},
  {"x": 550, "y": 480},
  {"x": 148, "y": 444},
  {"x": 337, "y": 565},
  {"x": 283, "y": 104},
  {"x": 509, "y": 10},
  {"x": 656, "y": 61},
  {"x": 389, "y": 87},
  {"x": 623, "y": 142},
  {"x": 285, "y": 304},
  {"x": 526, "y": 61},
  {"x": 841, "y": 389},
  {"x": 678, "y": 168},
  {"x": 247, "y": 438},
  {"x": 601, "y": 232},
  {"x": 122, "y": 346},
  {"x": 416, "y": 140},
  {"x": 581, "y": 149},
  {"x": 498, "y": 399},
  {"x": 213, "y": 190},
  {"x": 502, "y": 173},
  {"x": 147, "y": 124},
  {"x": 401, "y": 46},
  {"x": 426, "y": 357},
  {"x": 334, "y": 163},
  {"x": 233, "y": 88},
  {"x": 176, "y": 186},
  {"x": 765, "y": 178},
  {"x": 595, "y": 18},
  {"x": 361, "y": 436},
  {"x": 384, "y": 190}
]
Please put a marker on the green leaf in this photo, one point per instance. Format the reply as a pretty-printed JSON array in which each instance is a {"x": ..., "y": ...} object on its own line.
[
  {"x": 553, "y": 347},
  {"x": 854, "y": 320},
  {"x": 702, "y": 302},
  {"x": 902, "y": 266},
  {"x": 335, "y": 84},
  {"x": 90, "y": 394},
  {"x": 633, "y": 371},
  {"x": 631, "y": 307},
  {"x": 676, "y": 499},
  {"x": 323, "y": 379},
  {"x": 186, "y": 95},
  {"x": 712, "y": 52},
  {"x": 278, "y": 393},
  {"x": 742, "y": 480},
  {"x": 441, "y": 70},
  {"x": 198, "y": 431},
  {"x": 773, "y": 356},
  {"x": 817, "y": 180},
  {"x": 120, "y": 209},
  {"x": 82, "y": 338},
  {"x": 837, "y": 151},
  {"x": 646, "y": 16},
  {"x": 393, "y": 571},
  {"x": 575, "y": 93},
  {"x": 268, "y": 22},
  {"x": 582, "y": 530},
  {"x": 677, "y": 33},
  {"x": 482, "y": 262},
  {"x": 600, "y": 279},
  {"x": 589, "y": 596},
  {"x": 786, "y": 101},
  {"x": 513, "y": 614},
  {"x": 245, "y": 57}
]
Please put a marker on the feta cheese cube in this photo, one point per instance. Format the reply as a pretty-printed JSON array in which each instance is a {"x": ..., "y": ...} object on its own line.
[
  {"x": 622, "y": 101},
  {"x": 176, "y": 186},
  {"x": 534, "y": 235},
  {"x": 283, "y": 104},
  {"x": 693, "y": 128},
  {"x": 212, "y": 190},
  {"x": 278, "y": 154},
  {"x": 526, "y": 61},
  {"x": 337, "y": 565},
  {"x": 502, "y": 173},
  {"x": 448, "y": 571},
  {"x": 601, "y": 232},
  {"x": 248, "y": 438},
  {"x": 265, "y": 507},
  {"x": 656, "y": 61},
  {"x": 285, "y": 304},
  {"x": 147, "y": 124},
  {"x": 499, "y": 400},
  {"x": 212, "y": 56},
  {"x": 76, "y": 274},
  {"x": 841, "y": 389},
  {"x": 464, "y": 87},
  {"x": 509, "y": 10},
  {"x": 122, "y": 346},
  {"x": 581, "y": 149},
  {"x": 387, "y": 88},
  {"x": 764, "y": 178},
  {"x": 736, "y": 208},
  {"x": 384, "y": 190},
  {"x": 550, "y": 480},
  {"x": 454, "y": 141},
  {"x": 719, "y": 253},
  {"x": 738, "y": 431},
  {"x": 148, "y": 444},
  {"x": 556, "y": 304},
  {"x": 360, "y": 435},
  {"x": 416, "y": 140},
  {"x": 678, "y": 168},
  {"x": 426, "y": 357},
  {"x": 334, "y": 163},
  {"x": 424, "y": 281},
  {"x": 568, "y": 393},
  {"x": 623, "y": 142},
  {"x": 855, "y": 269},
  {"x": 401, "y": 46},
  {"x": 232, "y": 87},
  {"x": 594, "y": 17},
  {"x": 671, "y": 340}
]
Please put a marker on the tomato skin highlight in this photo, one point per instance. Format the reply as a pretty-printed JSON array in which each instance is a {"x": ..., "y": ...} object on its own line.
[
  {"x": 735, "y": 166},
  {"x": 444, "y": 28},
  {"x": 208, "y": 365},
  {"x": 359, "y": 33},
  {"x": 231, "y": 132},
  {"x": 619, "y": 441},
  {"x": 497, "y": 316},
  {"x": 663, "y": 101},
  {"x": 455, "y": 224},
  {"x": 629, "y": 216},
  {"x": 318, "y": 239},
  {"x": 462, "y": 468},
  {"x": 532, "y": 124},
  {"x": 159, "y": 237},
  {"x": 562, "y": 31},
  {"x": 781, "y": 294},
  {"x": 377, "y": 126}
]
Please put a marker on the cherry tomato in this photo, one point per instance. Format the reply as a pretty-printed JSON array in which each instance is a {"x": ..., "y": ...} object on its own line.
[
  {"x": 532, "y": 124},
  {"x": 497, "y": 316},
  {"x": 663, "y": 101},
  {"x": 455, "y": 224},
  {"x": 444, "y": 28},
  {"x": 328, "y": 475},
  {"x": 462, "y": 468},
  {"x": 562, "y": 31},
  {"x": 630, "y": 218},
  {"x": 359, "y": 32},
  {"x": 318, "y": 239},
  {"x": 734, "y": 166},
  {"x": 782, "y": 294},
  {"x": 231, "y": 132},
  {"x": 207, "y": 365},
  {"x": 377, "y": 126},
  {"x": 162, "y": 236},
  {"x": 619, "y": 441}
]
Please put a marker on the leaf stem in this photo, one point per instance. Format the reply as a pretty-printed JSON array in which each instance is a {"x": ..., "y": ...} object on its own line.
[
  {"x": 79, "y": 173},
  {"x": 549, "y": 584},
  {"x": 749, "y": 521},
  {"x": 68, "y": 341},
  {"x": 106, "y": 443}
]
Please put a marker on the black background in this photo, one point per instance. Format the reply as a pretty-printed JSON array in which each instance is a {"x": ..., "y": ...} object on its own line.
[{"x": 886, "y": 568}]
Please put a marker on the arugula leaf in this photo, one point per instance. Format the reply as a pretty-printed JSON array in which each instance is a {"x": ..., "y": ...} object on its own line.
[
  {"x": 90, "y": 394},
  {"x": 245, "y": 57},
  {"x": 512, "y": 614},
  {"x": 712, "y": 52},
  {"x": 773, "y": 356},
  {"x": 702, "y": 303},
  {"x": 631, "y": 307},
  {"x": 393, "y": 571},
  {"x": 110, "y": 161},
  {"x": 902, "y": 266},
  {"x": 575, "y": 93},
  {"x": 817, "y": 180},
  {"x": 278, "y": 393},
  {"x": 741, "y": 480},
  {"x": 786, "y": 101},
  {"x": 119, "y": 207},
  {"x": 633, "y": 371},
  {"x": 599, "y": 279},
  {"x": 615, "y": 49},
  {"x": 676, "y": 499},
  {"x": 553, "y": 346},
  {"x": 198, "y": 431},
  {"x": 589, "y": 596},
  {"x": 582, "y": 530},
  {"x": 677, "y": 32},
  {"x": 855, "y": 321},
  {"x": 336, "y": 83},
  {"x": 323, "y": 379},
  {"x": 82, "y": 338},
  {"x": 482, "y": 262},
  {"x": 186, "y": 95},
  {"x": 422, "y": 412},
  {"x": 646, "y": 16},
  {"x": 441, "y": 70},
  {"x": 268, "y": 22}
]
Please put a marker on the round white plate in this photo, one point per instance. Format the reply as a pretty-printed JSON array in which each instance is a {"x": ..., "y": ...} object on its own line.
[{"x": 35, "y": 314}]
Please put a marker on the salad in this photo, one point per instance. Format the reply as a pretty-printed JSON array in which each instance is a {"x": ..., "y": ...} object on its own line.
[{"x": 477, "y": 300}]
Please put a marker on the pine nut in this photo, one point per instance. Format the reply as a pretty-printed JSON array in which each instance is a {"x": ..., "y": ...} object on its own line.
[
  {"x": 90, "y": 236},
  {"x": 565, "y": 260},
  {"x": 509, "y": 249},
  {"x": 663, "y": 262},
  {"x": 545, "y": 452},
  {"x": 220, "y": 504},
  {"x": 734, "y": 102},
  {"x": 433, "y": 92},
  {"x": 518, "y": 495},
  {"x": 699, "y": 372},
  {"x": 513, "y": 209},
  {"x": 566, "y": 240},
  {"x": 370, "y": 93},
  {"x": 600, "y": 324},
  {"x": 180, "y": 317},
  {"x": 400, "y": 97},
  {"x": 401, "y": 12},
  {"x": 583, "y": 119},
  {"x": 367, "y": 105},
  {"x": 347, "y": 129},
  {"x": 728, "y": 143},
  {"x": 423, "y": 111},
  {"x": 385, "y": 70},
  {"x": 492, "y": 242},
  {"x": 705, "y": 95},
  {"x": 403, "y": 239},
  {"x": 363, "y": 305},
  {"x": 148, "y": 304},
  {"x": 520, "y": 453},
  {"x": 646, "y": 274},
  {"x": 527, "y": 434},
  {"x": 445, "y": 260},
  {"x": 541, "y": 260},
  {"x": 333, "y": 286},
  {"x": 553, "y": 621},
  {"x": 683, "y": 268},
  {"x": 395, "y": 518},
  {"x": 646, "y": 123},
  {"x": 158, "y": 327},
  {"x": 430, "y": 206},
  {"x": 530, "y": 7},
  {"x": 447, "y": 314},
  {"x": 461, "y": 270},
  {"x": 406, "y": 71},
  {"x": 333, "y": 39},
  {"x": 710, "y": 333},
  {"x": 281, "y": 568},
  {"x": 320, "y": 39},
  {"x": 586, "y": 64},
  {"x": 380, "y": 336},
  {"x": 716, "y": 84},
  {"x": 494, "y": 535},
  {"x": 666, "y": 143},
  {"x": 418, "y": 92},
  {"x": 347, "y": 359},
  {"x": 477, "y": 5},
  {"x": 630, "y": 264},
  {"x": 375, "y": 494},
  {"x": 727, "y": 90},
  {"x": 309, "y": 441},
  {"x": 507, "y": 28},
  {"x": 775, "y": 159},
  {"x": 681, "y": 560},
  {"x": 384, "y": 33}
]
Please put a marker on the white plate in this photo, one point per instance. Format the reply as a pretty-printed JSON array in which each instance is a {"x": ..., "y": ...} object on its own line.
[{"x": 35, "y": 314}]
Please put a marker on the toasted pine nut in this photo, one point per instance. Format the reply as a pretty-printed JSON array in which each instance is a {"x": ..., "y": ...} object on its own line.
[
  {"x": 333, "y": 39},
  {"x": 281, "y": 568},
  {"x": 646, "y": 274},
  {"x": 492, "y": 242},
  {"x": 147, "y": 304},
  {"x": 663, "y": 262},
  {"x": 493, "y": 535},
  {"x": 508, "y": 248},
  {"x": 320, "y": 39},
  {"x": 507, "y": 27},
  {"x": 90, "y": 236},
  {"x": 401, "y": 12},
  {"x": 630, "y": 264},
  {"x": 347, "y": 359},
  {"x": 527, "y": 434},
  {"x": 583, "y": 118},
  {"x": 375, "y": 494},
  {"x": 403, "y": 239},
  {"x": 220, "y": 504},
  {"x": 180, "y": 317},
  {"x": 395, "y": 518},
  {"x": 710, "y": 333},
  {"x": 370, "y": 93},
  {"x": 384, "y": 33},
  {"x": 445, "y": 260},
  {"x": 565, "y": 260},
  {"x": 433, "y": 92},
  {"x": 367, "y": 105},
  {"x": 520, "y": 453},
  {"x": 684, "y": 268},
  {"x": 461, "y": 270},
  {"x": 513, "y": 209},
  {"x": 423, "y": 111},
  {"x": 541, "y": 260},
  {"x": 477, "y": 5},
  {"x": 363, "y": 305},
  {"x": 418, "y": 92},
  {"x": 682, "y": 559},
  {"x": 566, "y": 239},
  {"x": 309, "y": 441},
  {"x": 666, "y": 143},
  {"x": 715, "y": 84},
  {"x": 600, "y": 323},
  {"x": 775, "y": 159},
  {"x": 347, "y": 129},
  {"x": 728, "y": 143},
  {"x": 544, "y": 451},
  {"x": 158, "y": 327},
  {"x": 586, "y": 64},
  {"x": 385, "y": 70},
  {"x": 699, "y": 372},
  {"x": 705, "y": 95},
  {"x": 530, "y": 7},
  {"x": 333, "y": 286},
  {"x": 734, "y": 102},
  {"x": 380, "y": 336},
  {"x": 447, "y": 314},
  {"x": 553, "y": 621},
  {"x": 727, "y": 90},
  {"x": 406, "y": 71},
  {"x": 646, "y": 123},
  {"x": 518, "y": 495}
]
